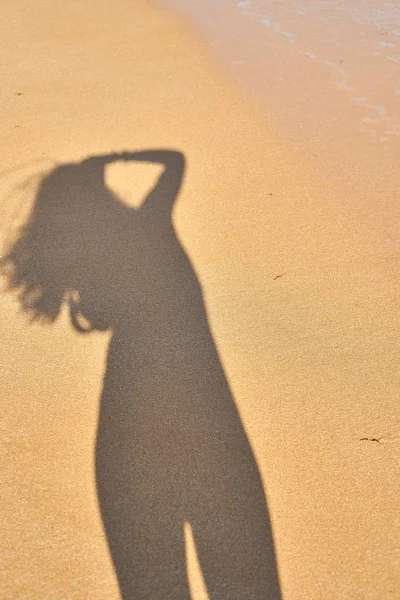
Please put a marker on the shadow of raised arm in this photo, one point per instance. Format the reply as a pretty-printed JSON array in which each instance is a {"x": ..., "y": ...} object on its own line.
[{"x": 165, "y": 192}]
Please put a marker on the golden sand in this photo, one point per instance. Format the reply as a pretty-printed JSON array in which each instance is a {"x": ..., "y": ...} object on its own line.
[{"x": 301, "y": 287}]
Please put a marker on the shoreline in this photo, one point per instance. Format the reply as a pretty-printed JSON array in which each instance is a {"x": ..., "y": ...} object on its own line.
[{"x": 340, "y": 132}]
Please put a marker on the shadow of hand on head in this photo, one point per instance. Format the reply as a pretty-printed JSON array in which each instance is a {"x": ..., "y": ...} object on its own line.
[{"x": 171, "y": 448}]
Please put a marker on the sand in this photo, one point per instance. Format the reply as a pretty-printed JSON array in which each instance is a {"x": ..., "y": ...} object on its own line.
[{"x": 298, "y": 264}]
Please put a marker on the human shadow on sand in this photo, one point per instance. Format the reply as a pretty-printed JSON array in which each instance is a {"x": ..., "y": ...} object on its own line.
[{"x": 171, "y": 448}]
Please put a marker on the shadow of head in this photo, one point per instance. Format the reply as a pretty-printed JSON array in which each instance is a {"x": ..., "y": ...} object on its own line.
[{"x": 71, "y": 248}]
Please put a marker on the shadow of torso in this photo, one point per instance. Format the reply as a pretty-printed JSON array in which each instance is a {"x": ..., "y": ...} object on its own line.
[{"x": 164, "y": 385}]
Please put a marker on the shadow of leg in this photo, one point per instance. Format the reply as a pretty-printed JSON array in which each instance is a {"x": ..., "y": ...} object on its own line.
[
  {"x": 148, "y": 555},
  {"x": 234, "y": 543}
]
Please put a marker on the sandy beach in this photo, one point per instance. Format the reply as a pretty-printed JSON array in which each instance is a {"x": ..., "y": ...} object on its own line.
[{"x": 293, "y": 236}]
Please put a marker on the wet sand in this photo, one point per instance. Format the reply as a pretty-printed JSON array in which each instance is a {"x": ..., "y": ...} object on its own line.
[{"x": 298, "y": 263}]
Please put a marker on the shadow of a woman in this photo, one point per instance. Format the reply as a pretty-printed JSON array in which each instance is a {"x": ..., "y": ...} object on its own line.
[{"x": 171, "y": 448}]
